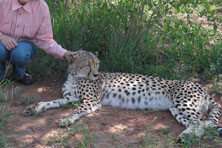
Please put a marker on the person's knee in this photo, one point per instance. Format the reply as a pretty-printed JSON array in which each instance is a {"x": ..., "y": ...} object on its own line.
[
  {"x": 4, "y": 53},
  {"x": 22, "y": 54},
  {"x": 20, "y": 58}
]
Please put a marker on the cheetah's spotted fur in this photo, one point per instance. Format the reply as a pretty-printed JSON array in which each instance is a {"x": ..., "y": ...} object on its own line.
[{"x": 187, "y": 101}]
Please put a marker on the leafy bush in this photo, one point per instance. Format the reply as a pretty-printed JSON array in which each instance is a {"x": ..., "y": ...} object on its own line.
[{"x": 155, "y": 37}]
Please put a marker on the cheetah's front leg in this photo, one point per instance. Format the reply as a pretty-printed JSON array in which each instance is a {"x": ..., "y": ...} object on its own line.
[
  {"x": 35, "y": 109},
  {"x": 85, "y": 108}
]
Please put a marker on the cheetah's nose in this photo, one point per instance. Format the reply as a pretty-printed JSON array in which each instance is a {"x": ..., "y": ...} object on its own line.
[{"x": 95, "y": 75}]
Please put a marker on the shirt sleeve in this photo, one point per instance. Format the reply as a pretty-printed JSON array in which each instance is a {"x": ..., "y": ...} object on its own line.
[
  {"x": 44, "y": 37},
  {"x": 1, "y": 14}
]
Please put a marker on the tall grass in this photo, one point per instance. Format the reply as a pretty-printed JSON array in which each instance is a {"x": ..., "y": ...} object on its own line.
[
  {"x": 7, "y": 93},
  {"x": 155, "y": 37}
]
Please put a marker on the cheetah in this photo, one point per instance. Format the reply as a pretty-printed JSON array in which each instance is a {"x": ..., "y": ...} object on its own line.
[{"x": 188, "y": 102}]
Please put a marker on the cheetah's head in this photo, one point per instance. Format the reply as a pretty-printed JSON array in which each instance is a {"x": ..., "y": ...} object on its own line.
[{"x": 83, "y": 65}]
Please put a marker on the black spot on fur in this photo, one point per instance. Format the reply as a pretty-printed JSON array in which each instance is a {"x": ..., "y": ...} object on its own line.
[
  {"x": 157, "y": 93},
  {"x": 139, "y": 99},
  {"x": 127, "y": 92},
  {"x": 107, "y": 95},
  {"x": 133, "y": 100}
]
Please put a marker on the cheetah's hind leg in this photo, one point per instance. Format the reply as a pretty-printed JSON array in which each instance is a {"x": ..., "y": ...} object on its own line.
[{"x": 192, "y": 126}]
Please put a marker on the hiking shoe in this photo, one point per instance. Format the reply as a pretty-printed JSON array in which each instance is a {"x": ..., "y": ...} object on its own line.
[{"x": 26, "y": 80}]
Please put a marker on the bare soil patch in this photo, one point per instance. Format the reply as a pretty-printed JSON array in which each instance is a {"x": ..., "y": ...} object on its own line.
[{"x": 106, "y": 128}]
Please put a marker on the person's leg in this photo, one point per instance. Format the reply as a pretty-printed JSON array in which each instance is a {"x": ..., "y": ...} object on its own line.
[
  {"x": 20, "y": 57},
  {"x": 4, "y": 54}
]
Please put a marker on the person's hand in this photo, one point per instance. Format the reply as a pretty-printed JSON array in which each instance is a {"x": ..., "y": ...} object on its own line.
[
  {"x": 71, "y": 53},
  {"x": 68, "y": 53},
  {"x": 8, "y": 42}
]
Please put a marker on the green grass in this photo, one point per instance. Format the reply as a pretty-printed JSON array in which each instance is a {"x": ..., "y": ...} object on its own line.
[
  {"x": 216, "y": 88},
  {"x": 4, "y": 114},
  {"x": 210, "y": 140},
  {"x": 27, "y": 100},
  {"x": 7, "y": 94},
  {"x": 74, "y": 132},
  {"x": 71, "y": 105},
  {"x": 152, "y": 140},
  {"x": 156, "y": 37}
]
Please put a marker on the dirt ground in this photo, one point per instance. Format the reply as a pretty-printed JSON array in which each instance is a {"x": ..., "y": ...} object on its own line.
[{"x": 106, "y": 128}]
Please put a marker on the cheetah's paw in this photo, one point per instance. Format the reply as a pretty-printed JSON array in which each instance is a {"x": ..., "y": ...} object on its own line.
[
  {"x": 35, "y": 109},
  {"x": 30, "y": 110},
  {"x": 65, "y": 122},
  {"x": 188, "y": 134},
  {"x": 219, "y": 129}
]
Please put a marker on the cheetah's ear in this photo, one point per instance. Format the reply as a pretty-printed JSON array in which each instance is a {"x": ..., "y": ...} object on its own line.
[{"x": 96, "y": 53}]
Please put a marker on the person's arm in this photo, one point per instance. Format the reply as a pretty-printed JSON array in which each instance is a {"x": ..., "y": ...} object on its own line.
[
  {"x": 1, "y": 14},
  {"x": 44, "y": 37},
  {"x": 6, "y": 40}
]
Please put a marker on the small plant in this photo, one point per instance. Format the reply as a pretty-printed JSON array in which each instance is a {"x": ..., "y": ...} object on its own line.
[
  {"x": 148, "y": 140},
  {"x": 7, "y": 94},
  {"x": 4, "y": 114},
  {"x": 169, "y": 139},
  {"x": 211, "y": 139},
  {"x": 70, "y": 105},
  {"x": 167, "y": 130},
  {"x": 59, "y": 141},
  {"x": 216, "y": 88},
  {"x": 28, "y": 100},
  {"x": 114, "y": 138},
  {"x": 77, "y": 132},
  {"x": 87, "y": 140},
  {"x": 3, "y": 82},
  {"x": 48, "y": 119},
  {"x": 64, "y": 141}
]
